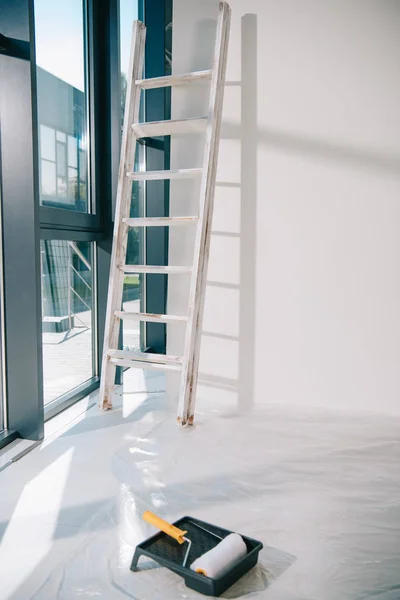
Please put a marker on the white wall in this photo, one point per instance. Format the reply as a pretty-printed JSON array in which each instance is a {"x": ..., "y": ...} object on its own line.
[{"x": 303, "y": 299}]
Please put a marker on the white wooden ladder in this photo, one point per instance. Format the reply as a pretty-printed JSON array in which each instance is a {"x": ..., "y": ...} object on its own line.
[{"x": 132, "y": 131}]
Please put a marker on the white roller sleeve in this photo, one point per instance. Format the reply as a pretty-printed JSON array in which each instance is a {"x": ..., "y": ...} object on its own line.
[{"x": 222, "y": 558}]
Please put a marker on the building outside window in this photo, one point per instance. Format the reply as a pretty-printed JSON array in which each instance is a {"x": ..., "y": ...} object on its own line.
[{"x": 63, "y": 168}]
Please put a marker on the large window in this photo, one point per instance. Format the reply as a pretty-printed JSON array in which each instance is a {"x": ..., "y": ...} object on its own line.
[{"x": 61, "y": 120}]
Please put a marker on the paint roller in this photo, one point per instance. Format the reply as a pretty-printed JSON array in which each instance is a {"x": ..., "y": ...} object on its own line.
[{"x": 216, "y": 562}]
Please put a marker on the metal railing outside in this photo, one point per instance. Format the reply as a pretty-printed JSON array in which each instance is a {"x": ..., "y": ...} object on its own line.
[{"x": 72, "y": 247}]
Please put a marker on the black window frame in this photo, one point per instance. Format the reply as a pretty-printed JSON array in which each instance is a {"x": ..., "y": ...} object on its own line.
[{"x": 20, "y": 224}]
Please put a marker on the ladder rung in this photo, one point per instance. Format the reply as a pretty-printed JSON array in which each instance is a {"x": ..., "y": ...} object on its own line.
[
  {"x": 143, "y": 360},
  {"x": 157, "y": 128},
  {"x": 154, "y": 269},
  {"x": 145, "y": 356},
  {"x": 150, "y": 317},
  {"x": 158, "y": 82},
  {"x": 159, "y": 221},
  {"x": 123, "y": 362},
  {"x": 176, "y": 174}
]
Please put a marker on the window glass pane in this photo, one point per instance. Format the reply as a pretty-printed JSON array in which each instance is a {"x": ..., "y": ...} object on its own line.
[
  {"x": 61, "y": 159},
  {"x": 73, "y": 182},
  {"x": 66, "y": 269},
  {"x": 61, "y": 82},
  {"x": 128, "y": 12},
  {"x": 133, "y": 297},
  {"x": 82, "y": 166},
  {"x": 47, "y": 143},
  {"x": 48, "y": 178},
  {"x": 62, "y": 187},
  {"x": 72, "y": 152}
]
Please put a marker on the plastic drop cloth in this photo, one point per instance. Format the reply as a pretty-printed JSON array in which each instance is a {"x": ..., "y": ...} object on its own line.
[{"x": 320, "y": 490}]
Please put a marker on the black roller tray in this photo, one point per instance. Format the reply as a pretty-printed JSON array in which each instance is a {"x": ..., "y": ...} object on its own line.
[{"x": 169, "y": 553}]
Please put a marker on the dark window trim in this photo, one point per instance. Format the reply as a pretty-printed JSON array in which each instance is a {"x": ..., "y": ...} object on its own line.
[
  {"x": 67, "y": 219},
  {"x": 75, "y": 235},
  {"x": 20, "y": 224},
  {"x": 66, "y": 400},
  {"x": 6, "y": 437}
]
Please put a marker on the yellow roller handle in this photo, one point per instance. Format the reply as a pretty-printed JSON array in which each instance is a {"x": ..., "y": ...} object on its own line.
[{"x": 171, "y": 530}]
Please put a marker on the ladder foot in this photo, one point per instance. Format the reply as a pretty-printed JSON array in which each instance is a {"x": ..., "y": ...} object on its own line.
[
  {"x": 106, "y": 405},
  {"x": 184, "y": 422}
]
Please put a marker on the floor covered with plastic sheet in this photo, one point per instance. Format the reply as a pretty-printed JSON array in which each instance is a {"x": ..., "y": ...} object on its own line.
[{"x": 320, "y": 489}]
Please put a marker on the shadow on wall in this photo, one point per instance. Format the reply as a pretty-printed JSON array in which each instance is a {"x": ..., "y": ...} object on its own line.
[
  {"x": 221, "y": 353},
  {"x": 243, "y": 386}
]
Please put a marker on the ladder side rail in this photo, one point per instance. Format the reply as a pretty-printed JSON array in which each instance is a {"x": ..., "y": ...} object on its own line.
[
  {"x": 203, "y": 235},
  {"x": 122, "y": 210}
]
